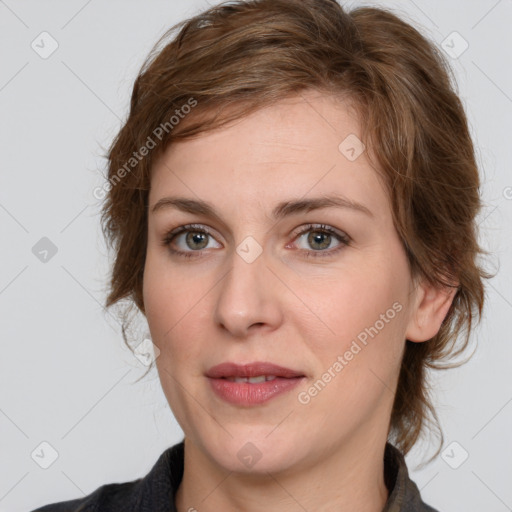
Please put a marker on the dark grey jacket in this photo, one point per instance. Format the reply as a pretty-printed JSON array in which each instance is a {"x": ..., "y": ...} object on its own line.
[{"x": 155, "y": 492}]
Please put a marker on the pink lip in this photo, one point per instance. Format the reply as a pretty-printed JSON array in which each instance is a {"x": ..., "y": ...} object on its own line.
[
  {"x": 251, "y": 370},
  {"x": 246, "y": 393}
]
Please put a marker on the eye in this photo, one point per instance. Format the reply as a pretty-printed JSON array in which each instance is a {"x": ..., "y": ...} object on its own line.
[
  {"x": 319, "y": 238},
  {"x": 196, "y": 238}
]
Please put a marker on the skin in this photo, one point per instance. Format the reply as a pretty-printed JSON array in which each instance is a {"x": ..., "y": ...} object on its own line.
[{"x": 297, "y": 312}]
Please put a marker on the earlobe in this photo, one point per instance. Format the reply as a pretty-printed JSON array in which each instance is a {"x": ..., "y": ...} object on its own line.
[{"x": 431, "y": 308}]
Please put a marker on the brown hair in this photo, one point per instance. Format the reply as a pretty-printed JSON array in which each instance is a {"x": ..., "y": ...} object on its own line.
[{"x": 248, "y": 54}]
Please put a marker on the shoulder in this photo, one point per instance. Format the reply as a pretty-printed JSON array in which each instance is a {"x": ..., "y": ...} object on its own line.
[
  {"x": 105, "y": 498},
  {"x": 151, "y": 492}
]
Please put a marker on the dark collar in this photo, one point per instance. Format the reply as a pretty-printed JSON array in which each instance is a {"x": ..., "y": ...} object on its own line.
[{"x": 404, "y": 495}]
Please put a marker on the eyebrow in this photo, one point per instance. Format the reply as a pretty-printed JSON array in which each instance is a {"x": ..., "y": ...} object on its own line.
[{"x": 283, "y": 209}]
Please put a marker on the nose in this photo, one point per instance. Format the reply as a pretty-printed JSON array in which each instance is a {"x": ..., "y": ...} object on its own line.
[{"x": 248, "y": 297}]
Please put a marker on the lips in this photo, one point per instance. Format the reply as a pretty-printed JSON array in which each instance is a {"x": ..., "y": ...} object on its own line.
[
  {"x": 257, "y": 369},
  {"x": 251, "y": 384}
]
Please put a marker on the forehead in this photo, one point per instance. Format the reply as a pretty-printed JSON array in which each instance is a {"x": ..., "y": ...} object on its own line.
[{"x": 307, "y": 144}]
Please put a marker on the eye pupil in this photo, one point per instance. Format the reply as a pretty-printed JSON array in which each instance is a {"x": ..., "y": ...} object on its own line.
[
  {"x": 313, "y": 239},
  {"x": 196, "y": 237}
]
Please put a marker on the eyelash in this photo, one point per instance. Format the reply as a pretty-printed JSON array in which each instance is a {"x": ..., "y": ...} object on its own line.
[{"x": 320, "y": 228}]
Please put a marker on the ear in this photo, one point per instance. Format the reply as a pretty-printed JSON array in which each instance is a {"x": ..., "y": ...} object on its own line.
[{"x": 431, "y": 307}]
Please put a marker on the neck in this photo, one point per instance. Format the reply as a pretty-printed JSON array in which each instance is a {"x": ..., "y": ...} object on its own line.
[{"x": 347, "y": 478}]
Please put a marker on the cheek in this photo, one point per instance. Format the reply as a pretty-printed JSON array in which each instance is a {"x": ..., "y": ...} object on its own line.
[
  {"x": 175, "y": 312},
  {"x": 365, "y": 309},
  {"x": 165, "y": 293},
  {"x": 172, "y": 319},
  {"x": 357, "y": 366}
]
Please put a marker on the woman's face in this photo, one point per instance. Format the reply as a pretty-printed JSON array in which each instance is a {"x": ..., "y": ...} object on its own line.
[{"x": 333, "y": 303}]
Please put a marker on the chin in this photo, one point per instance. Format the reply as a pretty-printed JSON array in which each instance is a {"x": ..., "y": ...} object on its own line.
[{"x": 255, "y": 452}]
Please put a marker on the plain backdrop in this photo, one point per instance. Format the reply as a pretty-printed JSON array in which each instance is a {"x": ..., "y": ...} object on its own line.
[{"x": 66, "y": 378}]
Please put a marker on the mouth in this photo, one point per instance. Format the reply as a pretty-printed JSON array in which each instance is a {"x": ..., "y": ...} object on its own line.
[
  {"x": 252, "y": 384},
  {"x": 251, "y": 380},
  {"x": 255, "y": 370}
]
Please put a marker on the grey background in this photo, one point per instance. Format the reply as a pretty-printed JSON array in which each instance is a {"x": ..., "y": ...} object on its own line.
[{"x": 66, "y": 377}]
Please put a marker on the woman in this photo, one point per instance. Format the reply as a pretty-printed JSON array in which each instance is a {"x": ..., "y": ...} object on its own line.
[{"x": 292, "y": 206}]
